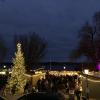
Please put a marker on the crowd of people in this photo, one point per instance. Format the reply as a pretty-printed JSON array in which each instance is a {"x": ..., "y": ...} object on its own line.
[{"x": 65, "y": 86}]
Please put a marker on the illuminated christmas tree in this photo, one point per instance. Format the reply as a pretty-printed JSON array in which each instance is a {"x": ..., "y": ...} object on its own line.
[{"x": 17, "y": 81}]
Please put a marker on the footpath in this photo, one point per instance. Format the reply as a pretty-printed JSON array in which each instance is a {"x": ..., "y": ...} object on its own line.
[{"x": 91, "y": 78}]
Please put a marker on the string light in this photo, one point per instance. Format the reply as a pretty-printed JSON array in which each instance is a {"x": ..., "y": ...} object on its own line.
[{"x": 17, "y": 81}]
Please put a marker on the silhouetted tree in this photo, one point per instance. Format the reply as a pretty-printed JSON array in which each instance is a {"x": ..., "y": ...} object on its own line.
[
  {"x": 89, "y": 43},
  {"x": 3, "y": 49},
  {"x": 33, "y": 46}
]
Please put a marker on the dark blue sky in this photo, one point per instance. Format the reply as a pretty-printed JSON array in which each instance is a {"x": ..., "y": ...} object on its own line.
[{"x": 55, "y": 20}]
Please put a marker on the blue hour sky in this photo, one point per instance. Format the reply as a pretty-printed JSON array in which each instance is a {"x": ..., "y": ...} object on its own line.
[{"x": 58, "y": 21}]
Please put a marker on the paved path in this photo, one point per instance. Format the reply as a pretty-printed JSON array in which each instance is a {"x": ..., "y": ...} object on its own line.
[{"x": 94, "y": 87}]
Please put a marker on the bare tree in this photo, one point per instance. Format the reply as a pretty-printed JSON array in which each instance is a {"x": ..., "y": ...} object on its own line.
[
  {"x": 33, "y": 46},
  {"x": 3, "y": 49},
  {"x": 89, "y": 43}
]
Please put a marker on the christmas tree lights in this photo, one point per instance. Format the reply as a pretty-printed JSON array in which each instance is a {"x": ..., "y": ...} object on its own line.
[{"x": 17, "y": 81}]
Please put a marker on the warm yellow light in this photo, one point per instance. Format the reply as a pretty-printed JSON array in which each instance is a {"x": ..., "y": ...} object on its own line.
[
  {"x": 4, "y": 66},
  {"x": 10, "y": 72},
  {"x": 63, "y": 73},
  {"x": 19, "y": 45},
  {"x": 80, "y": 76},
  {"x": 2, "y": 73},
  {"x": 17, "y": 73},
  {"x": 38, "y": 72},
  {"x": 86, "y": 71}
]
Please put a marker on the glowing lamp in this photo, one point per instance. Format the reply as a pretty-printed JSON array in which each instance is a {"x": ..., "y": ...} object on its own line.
[
  {"x": 64, "y": 67},
  {"x": 4, "y": 66},
  {"x": 2, "y": 73},
  {"x": 86, "y": 71}
]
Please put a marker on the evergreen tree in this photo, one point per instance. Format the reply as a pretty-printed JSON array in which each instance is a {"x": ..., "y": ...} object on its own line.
[{"x": 17, "y": 81}]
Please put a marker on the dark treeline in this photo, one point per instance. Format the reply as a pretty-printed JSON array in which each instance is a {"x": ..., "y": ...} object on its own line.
[
  {"x": 33, "y": 48},
  {"x": 58, "y": 66},
  {"x": 89, "y": 40}
]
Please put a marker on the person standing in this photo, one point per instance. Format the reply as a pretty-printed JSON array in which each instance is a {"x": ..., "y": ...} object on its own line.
[
  {"x": 71, "y": 90},
  {"x": 78, "y": 90}
]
